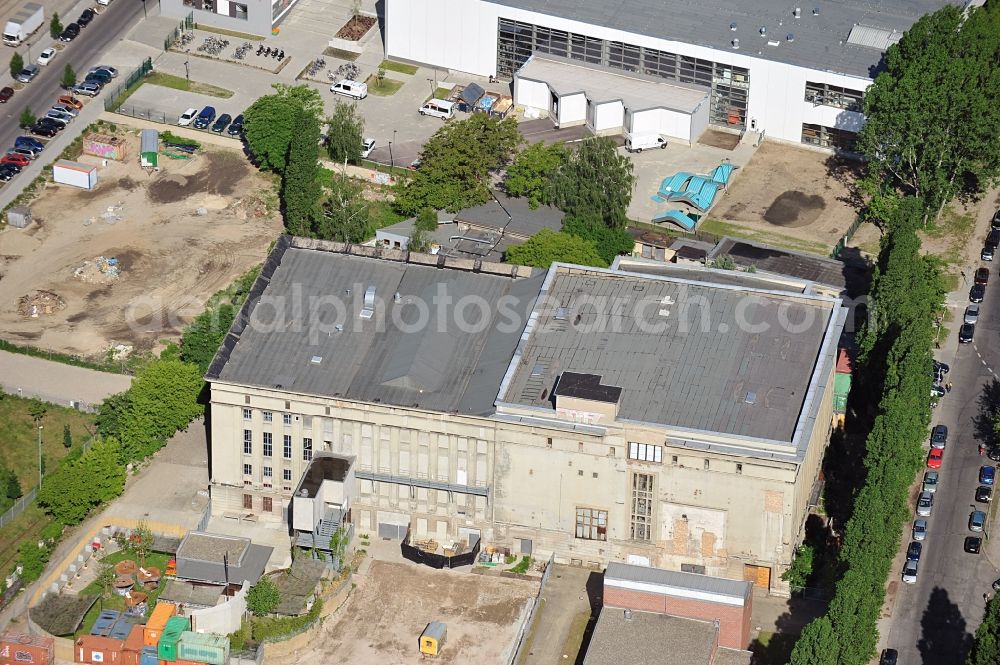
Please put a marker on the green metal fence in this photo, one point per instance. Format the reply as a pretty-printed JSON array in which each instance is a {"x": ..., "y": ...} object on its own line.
[
  {"x": 125, "y": 88},
  {"x": 846, "y": 238},
  {"x": 185, "y": 26}
]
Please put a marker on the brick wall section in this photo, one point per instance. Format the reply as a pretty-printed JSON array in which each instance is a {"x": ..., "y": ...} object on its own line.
[{"x": 734, "y": 621}]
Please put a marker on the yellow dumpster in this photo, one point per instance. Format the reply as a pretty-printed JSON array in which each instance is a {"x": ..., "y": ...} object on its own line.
[{"x": 432, "y": 639}]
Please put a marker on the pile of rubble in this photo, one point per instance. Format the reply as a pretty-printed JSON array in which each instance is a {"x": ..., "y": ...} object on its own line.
[
  {"x": 38, "y": 303},
  {"x": 102, "y": 270}
]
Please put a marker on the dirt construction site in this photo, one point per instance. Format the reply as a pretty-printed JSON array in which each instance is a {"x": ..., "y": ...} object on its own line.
[
  {"x": 382, "y": 620},
  {"x": 130, "y": 262}
]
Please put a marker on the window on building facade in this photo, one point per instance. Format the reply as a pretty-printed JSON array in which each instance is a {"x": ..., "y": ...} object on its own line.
[
  {"x": 729, "y": 85},
  {"x": 266, "y": 504},
  {"x": 591, "y": 524},
  {"x": 708, "y": 464},
  {"x": 645, "y": 452},
  {"x": 824, "y": 94},
  {"x": 248, "y": 469},
  {"x": 642, "y": 506},
  {"x": 268, "y": 416},
  {"x": 307, "y": 449},
  {"x": 286, "y": 475},
  {"x": 268, "y": 444},
  {"x": 829, "y": 137},
  {"x": 268, "y": 472},
  {"x": 247, "y": 414},
  {"x": 286, "y": 419},
  {"x": 286, "y": 447},
  {"x": 247, "y": 442},
  {"x": 248, "y": 501}
]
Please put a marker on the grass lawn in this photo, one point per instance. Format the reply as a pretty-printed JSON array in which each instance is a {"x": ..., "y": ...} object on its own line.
[
  {"x": 440, "y": 93},
  {"x": 114, "y": 601},
  {"x": 26, "y": 526},
  {"x": 181, "y": 83},
  {"x": 720, "y": 228},
  {"x": 574, "y": 640},
  {"x": 772, "y": 648},
  {"x": 391, "y": 66},
  {"x": 349, "y": 56},
  {"x": 953, "y": 231},
  {"x": 20, "y": 436},
  {"x": 387, "y": 88},
  {"x": 530, "y": 639}
]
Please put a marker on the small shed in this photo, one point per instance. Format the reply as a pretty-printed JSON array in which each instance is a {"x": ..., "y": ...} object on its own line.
[
  {"x": 149, "y": 148},
  {"x": 104, "y": 146},
  {"x": 19, "y": 217},
  {"x": 432, "y": 639},
  {"x": 76, "y": 174},
  {"x": 469, "y": 96}
]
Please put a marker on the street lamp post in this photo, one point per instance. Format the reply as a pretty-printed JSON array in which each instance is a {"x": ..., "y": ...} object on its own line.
[
  {"x": 187, "y": 72},
  {"x": 392, "y": 162},
  {"x": 39, "y": 455},
  {"x": 28, "y": 44}
]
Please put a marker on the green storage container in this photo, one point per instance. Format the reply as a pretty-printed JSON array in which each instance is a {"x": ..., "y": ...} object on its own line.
[
  {"x": 204, "y": 648},
  {"x": 171, "y": 635}
]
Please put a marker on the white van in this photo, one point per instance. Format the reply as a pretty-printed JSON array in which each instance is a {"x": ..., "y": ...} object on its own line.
[
  {"x": 640, "y": 142},
  {"x": 438, "y": 108},
  {"x": 350, "y": 88}
]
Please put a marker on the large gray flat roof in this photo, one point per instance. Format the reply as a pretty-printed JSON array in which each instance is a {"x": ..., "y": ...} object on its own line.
[
  {"x": 821, "y": 41},
  {"x": 707, "y": 357},
  {"x": 646, "y": 638},
  {"x": 288, "y": 338}
]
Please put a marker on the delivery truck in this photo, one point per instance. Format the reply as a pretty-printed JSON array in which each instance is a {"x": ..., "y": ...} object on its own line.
[{"x": 23, "y": 24}]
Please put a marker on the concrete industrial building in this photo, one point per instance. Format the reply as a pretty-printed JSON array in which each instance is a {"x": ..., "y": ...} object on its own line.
[
  {"x": 255, "y": 17},
  {"x": 595, "y": 414},
  {"x": 797, "y": 73}
]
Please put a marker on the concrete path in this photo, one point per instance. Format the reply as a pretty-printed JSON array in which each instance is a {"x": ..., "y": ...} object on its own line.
[
  {"x": 564, "y": 599},
  {"x": 58, "y": 383}
]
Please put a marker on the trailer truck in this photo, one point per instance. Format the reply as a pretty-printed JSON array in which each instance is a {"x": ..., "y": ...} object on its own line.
[{"x": 23, "y": 24}]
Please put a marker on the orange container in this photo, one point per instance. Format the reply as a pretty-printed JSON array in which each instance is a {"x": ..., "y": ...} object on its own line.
[
  {"x": 24, "y": 649},
  {"x": 97, "y": 650},
  {"x": 157, "y": 620},
  {"x": 133, "y": 646}
]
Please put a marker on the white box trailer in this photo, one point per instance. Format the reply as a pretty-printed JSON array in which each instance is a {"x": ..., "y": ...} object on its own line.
[
  {"x": 76, "y": 174},
  {"x": 23, "y": 24}
]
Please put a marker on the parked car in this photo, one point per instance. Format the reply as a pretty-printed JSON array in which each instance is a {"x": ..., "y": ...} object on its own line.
[
  {"x": 987, "y": 253},
  {"x": 30, "y": 153},
  {"x": 28, "y": 73},
  {"x": 62, "y": 108},
  {"x": 935, "y": 458},
  {"x": 930, "y": 482},
  {"x": 977, "y": 520},
  {"x": 7, "y": 174},
  {"x": 204, "y": 118},
  {"x": 59, "y": 116},
  {"x": 941, "y": 368},
  {"x": 86, "y": 17},
  {"x": 889, "y": 657},
  {"x": 939, "y": 436},
  {"x": 971, "y": 314},
  {"x": 88, "y": 88},
  {"x": 71, "y": 101},
  {"x": 12, "y": 158},
  {"x": 996, "y": 585},
  {"x": 937, "y": 391},
  {"x": 910, "y": 572},
  {"x": 101, "y": 76},
  {"x": 987, "y": 474},
  {"x": 984, "y": 494},
  {"x": 973, "y": 544},
  {"x": 45, "y": 57},
  {"x": 350, "y": 88},
  {"x": 977, "y": 292},
  {"x": 107, "y": 68},
  {"x": 995, "y": 222},
  {"x": 925, "y": 504},
  {"x": 913, "y": 551},
  {"x": 5, "y": 94},
  {"x": 966, "y": 333},
  {"x": 70, "y": 32},
  {"x": 236, "y": 128},
  {"x": 187, "y": 117},
  {"x": 982, "y": 276},
  {"x": 44, "y": 130},
  {"x": 367, "y": 146},
  {"x": 28, "y": 142},
  {"x": 919, "y": 529},
  {"x": 221, "y": 123}
]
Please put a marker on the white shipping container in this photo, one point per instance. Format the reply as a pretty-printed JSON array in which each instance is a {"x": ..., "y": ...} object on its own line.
[{"x": 76, "y": 174}]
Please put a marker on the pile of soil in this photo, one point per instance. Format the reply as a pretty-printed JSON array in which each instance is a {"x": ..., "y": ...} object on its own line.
[
  {"x": 356, "y": 27},
  {"x": 220, "y": 175},
  {"x": 40, "y": 302},
  {"x": 101, "y": 270}
]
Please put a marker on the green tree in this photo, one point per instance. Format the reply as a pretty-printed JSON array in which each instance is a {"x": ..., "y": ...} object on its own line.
[
  {"x": 112, "y": 413},
  {"x": 16, "y": 64},
  {"x": 609, "y": 242},
  {"x": 269, "y": 123},
  {"x": 531, "y": 173},
  {"x": 162, "y": 400},
  {"x": 418, "y": 241},
  {"x": 27, "y": 118},
  {"x": 69, "y": 76},
  {"x": 932, "y": 114},
  {"x": 300, "y": 190},
  {"x": 67, "y": 437},
  {"x": 344, "y": 213},
  {"x": 104, "y": 577},
  {"x": 801, "y": 569},
  {"x": 10, "y": 485},
  {"x": 37, "y": 410},
  {"x": 141, "y": 541},
  {"x": 74, "y": 489},
  {"x": 204, "y": 335},
  {"x": 33, "y": 559},
  {"x": 548, "y": 246},
  {"x": 263, "y": 597},
  {"x": 426, "y": 220},
  {"x": 595, "y": 184},
  {"x": 986, "y": 646},
  {"x": 817, "y": 645},
  {"x": 456, "y": 164},
  {"x": 345, "y": 133},
  {"x": 55, "y": 26}
]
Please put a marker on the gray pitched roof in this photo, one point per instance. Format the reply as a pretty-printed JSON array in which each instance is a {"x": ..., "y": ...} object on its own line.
[
  {"x": 686, "y": 354},
  {"x": 293, "y": 341},
  {"x": 200, "y": 558},
  {"x": 675, "y": 578},
  {"x": 522, "y": 220},
  {"x": 645, "y": 638},
  {"x": 820, "y": 40},
  {"x": 783, "y": 261}
]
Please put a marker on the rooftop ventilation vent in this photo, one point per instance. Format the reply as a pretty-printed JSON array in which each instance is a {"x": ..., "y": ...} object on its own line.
[
  {"x": 628, "y": 615},
  {"x": 369, "y": 309},
  {"x": 339, "y": 327},
  {"x": 316, "y": 360},
  {"x": 797, "y": 13},
  {"x": 751, "y": 398},
  {"x": 397, "y": 298},
  {"x": 773, "y": 42},
  {"x": 790, "y": 37},
  {"x": 763, "y": 30},
  {"x": 816, "y": 12},
  {"x": 732, "y": 26},
  {"x": 736, "y": 43}
]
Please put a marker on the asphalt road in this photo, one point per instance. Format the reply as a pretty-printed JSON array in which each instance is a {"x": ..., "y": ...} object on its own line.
[
  {"x": 82, "y": 53},
  {"x": 935, "y": 618}
]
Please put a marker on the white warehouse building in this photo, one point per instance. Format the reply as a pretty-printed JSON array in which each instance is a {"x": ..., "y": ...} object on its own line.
[{"x": 794, "y": 72}]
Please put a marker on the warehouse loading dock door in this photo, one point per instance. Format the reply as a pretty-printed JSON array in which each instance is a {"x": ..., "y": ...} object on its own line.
[
  {"x": 391, "y": 531},
  {"x": 759, "y": 575}
]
